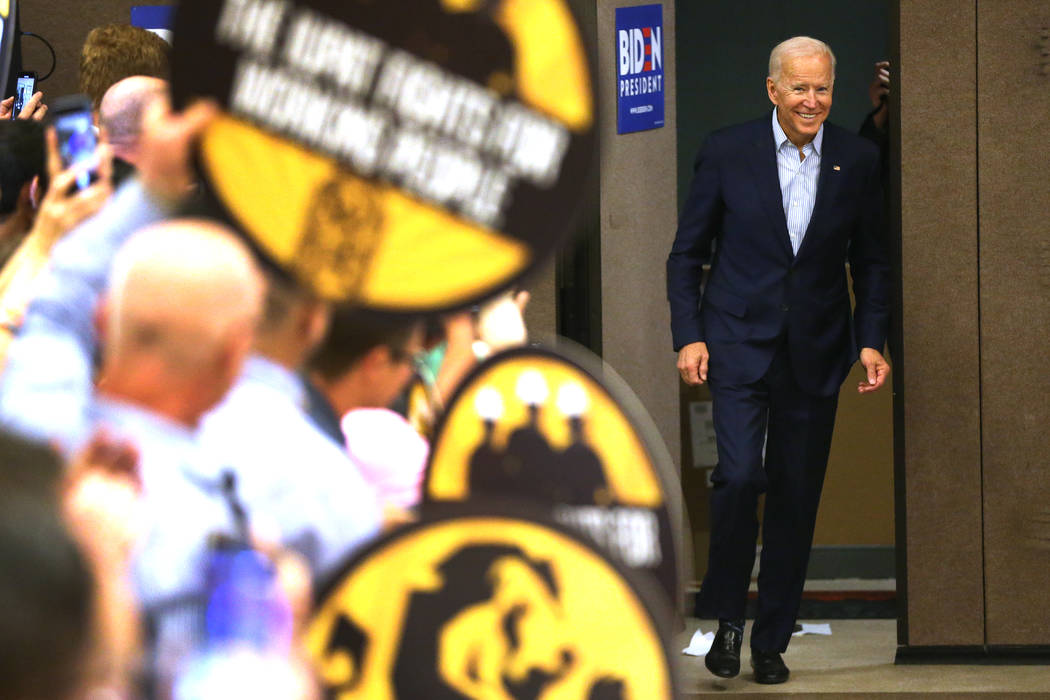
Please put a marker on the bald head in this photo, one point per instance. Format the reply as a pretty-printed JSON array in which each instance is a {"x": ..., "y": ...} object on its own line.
[
  {"x": 181, "y": 290},
  {"x": 122, "y": 109}
]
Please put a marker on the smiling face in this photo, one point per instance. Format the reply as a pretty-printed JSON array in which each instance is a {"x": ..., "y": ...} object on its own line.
[{"x": 802, "y": 94}]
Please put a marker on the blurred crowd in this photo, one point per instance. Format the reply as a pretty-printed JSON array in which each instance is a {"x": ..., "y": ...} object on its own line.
[{"x": 191, "y": 440}]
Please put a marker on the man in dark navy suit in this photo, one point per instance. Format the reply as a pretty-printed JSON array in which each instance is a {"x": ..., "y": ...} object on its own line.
[{"x": 787, "y": 201}]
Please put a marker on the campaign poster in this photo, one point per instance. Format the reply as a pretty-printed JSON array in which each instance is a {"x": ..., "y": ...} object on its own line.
[
  {"x": 159, "y": 19},
  {"x": 639, "y": 68}
]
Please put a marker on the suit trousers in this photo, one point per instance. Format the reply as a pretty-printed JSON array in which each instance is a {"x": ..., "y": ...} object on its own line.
[{"x": 795, "y": 429}]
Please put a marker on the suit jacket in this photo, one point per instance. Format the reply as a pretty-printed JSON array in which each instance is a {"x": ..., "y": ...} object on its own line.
[{"x": 759, "y": 293}]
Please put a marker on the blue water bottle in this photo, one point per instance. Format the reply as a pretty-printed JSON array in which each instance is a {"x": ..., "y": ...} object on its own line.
[{"x": 248, "y": 628}]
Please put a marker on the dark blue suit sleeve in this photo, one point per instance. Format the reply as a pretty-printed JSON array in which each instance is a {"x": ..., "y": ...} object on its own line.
[
  {"x": 698, "y": 225},
  {"x": 869, "y": 266}
]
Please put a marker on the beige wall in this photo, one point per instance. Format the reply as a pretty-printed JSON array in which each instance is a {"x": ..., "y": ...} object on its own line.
[
  {"x": 1013, "y": 102},
  {"x": 638, "y": 214},
  {"x": 941, "y": 388},
  {"x": 638, "y": 219},
  {"x": 976, "y": 258},
  {"x": 541, "y": 315},
  {"x": 856, "y": 507}
]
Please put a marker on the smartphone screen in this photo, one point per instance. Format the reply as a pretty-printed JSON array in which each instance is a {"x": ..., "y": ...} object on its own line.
[
  {"x": 23, "y": 92},
  {"x": 76, "y": 143}
]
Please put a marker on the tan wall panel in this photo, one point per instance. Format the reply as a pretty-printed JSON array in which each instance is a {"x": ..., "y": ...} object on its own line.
[
  {"x": 638, "y": 182},
  {"x": 541, "y": 315},
  {"x": 856, "y": 506},
  {"x": 937, "y": 92},
  {"x": 65, "y": 24},
  {"x": 1013, "y": 152}
]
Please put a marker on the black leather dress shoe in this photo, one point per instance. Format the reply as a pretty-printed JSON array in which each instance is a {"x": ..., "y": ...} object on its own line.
[
  {"x": 724, "y": 657},
  {"x": 769, "y": 667}
]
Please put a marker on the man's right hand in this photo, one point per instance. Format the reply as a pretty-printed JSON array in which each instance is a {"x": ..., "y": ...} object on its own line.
[
  {"x": 692, "y": 363},
  {"x": 64, "y": 206}
]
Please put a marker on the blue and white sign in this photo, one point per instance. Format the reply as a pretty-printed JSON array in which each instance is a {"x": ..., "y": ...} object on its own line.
[
  {"x": 639, "y": 68},
  {"x": 159, "y": 19}
]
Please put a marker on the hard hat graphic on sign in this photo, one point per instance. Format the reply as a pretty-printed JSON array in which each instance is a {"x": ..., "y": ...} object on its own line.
[{"x": 468, "y": 605}]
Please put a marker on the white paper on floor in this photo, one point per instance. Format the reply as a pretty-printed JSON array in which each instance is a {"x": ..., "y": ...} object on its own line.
[
  {"x": 822, "y": 628},
  {"x": 700, "y": 644}
]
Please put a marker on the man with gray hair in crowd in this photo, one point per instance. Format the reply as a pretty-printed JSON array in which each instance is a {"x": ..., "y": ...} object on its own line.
[
  {"x": 790, "y": 200},
  {"x": 176, "y": 325}
]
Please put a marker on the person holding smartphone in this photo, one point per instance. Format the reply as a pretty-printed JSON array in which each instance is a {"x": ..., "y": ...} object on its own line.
[
  {"x": 48, "y": 378},
  {"x": 25, "y": 87},
  {"x": 63, "y": 207},
  {"x": 31, "y": 108}
]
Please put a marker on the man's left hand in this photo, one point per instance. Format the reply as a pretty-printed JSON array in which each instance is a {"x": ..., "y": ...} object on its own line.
[
  {"x": 878, "y": 370},
  {"x": 878, "y": 92}
]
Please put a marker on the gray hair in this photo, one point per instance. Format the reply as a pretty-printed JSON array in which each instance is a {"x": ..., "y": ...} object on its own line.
[
  {"x": 181, "y": 288},
  {"x": 795, "y": 47}
]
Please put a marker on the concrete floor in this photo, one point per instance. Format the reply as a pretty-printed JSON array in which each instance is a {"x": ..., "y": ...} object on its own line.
[{"x": 857, "y": 661}]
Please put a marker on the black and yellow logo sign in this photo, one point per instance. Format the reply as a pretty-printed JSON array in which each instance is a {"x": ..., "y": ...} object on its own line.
[
  {"x": 403, "y": 155},
  {"x": 530, "y": 424},
  {"x": 488, "y": 607}
]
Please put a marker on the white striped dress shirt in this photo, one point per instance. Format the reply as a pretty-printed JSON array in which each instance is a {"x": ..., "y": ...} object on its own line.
[{"x": 798, "y": 180}]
